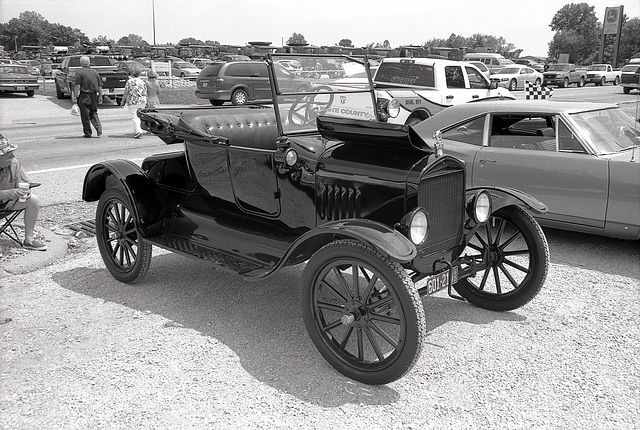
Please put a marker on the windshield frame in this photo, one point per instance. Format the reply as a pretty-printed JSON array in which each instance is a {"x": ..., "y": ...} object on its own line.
[{"x": 360, "y": 92}]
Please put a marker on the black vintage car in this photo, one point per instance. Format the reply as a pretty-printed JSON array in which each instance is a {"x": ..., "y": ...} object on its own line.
[{"x": 377, "y": 212}]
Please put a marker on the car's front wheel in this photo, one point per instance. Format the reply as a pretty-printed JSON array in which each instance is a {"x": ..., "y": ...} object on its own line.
[
  {"x": 538, "y": 82},
  {"x": 565, "y": 82},
  {"x": 31, "y": 93},
  {"x": 513, "y": 85},
  {"x": 362, "y": 312},
  {"x": 603, "y": 81},
  {"x": 239, "y": 97},
  {"x": 126, "y": 255},
  {"x": 511, "y": 258}
]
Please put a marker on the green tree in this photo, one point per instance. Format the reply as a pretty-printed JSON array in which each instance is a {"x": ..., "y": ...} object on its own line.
[
  {"x": 577, "y": 33},
  {"x": 296, "y": 39},
  {"x": 347, "y": 43},
  {"x": 629, "y": 40},
  {"x": 131, "y": 40},
  {"x": 190, "y": 41},
  {"x": 103, "y": 41}
]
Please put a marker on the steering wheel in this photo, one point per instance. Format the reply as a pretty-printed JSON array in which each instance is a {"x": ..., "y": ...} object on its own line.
[{"x": 305, "y": 109}]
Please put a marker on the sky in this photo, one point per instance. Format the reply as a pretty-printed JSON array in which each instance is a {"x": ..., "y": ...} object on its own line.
[{"x": 236, "y": 22}]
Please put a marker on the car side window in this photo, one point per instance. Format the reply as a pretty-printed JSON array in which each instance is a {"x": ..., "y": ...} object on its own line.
[
  {"x": 454, "y": 77},
  {"x": 476, "y": 78},
  {"x": 238, "y": 69},
  {"x": 258, "y": 70},
  {"x": 531, "y": 132},
  {"x": 470, "y": 132},
  {"x": 567, "y": 141}
]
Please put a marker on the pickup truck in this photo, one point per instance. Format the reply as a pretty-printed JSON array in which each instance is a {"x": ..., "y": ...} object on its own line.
[
  {"x": 563, "y": 75},
  {"x": 113, "y": 80},
  {"x": 600, "y": 74},
  {"x": 425, "y": 86}
]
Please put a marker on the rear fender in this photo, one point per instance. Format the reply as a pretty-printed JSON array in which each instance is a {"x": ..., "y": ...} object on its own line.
[
  {"x": 382, "y": 237},
  {"x": 502, "y": 197},
  {"x": 151, "y": 205}
]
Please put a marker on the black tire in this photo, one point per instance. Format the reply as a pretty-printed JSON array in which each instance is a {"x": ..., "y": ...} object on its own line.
[
  {"x": 216, "y": 102},
  {"x": 603, "y": 81},
  {"x": 538, "y": 82},
  {"x": 565, "y": 82},
  {"x": 616, "y": 81},
  {"x": 59, "y": 93},
  {"x": 369, "y": 327},
  {"x": 126, "y": 255},
  {"x": 119, "y": 101},
  {"x": 512, "y": 258},
  {"x": 31, "y": 93},
  {"x": 626, "y": 90},
  {"x": 239, "y": 97},
  {"x": 513, "y": 85},
  {"x": 182, "y": 75},
  {"x": 580, "y": 83}
]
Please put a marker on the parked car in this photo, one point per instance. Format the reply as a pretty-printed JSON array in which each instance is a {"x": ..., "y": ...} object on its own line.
[
  {"x": 492, "y": 60},
  {"x": 578, "y": 158},
  {"x": 241, "y": 82},
  {"x": 530, "y": 63},
  {"x": 33, "y": 66},
  {"x": 234, "y": 57},
  {"x": 379, "y": 216},
  {"x": 425, "y": 86},
  {"x": 563, "y": 75},
  {"x": 201, "y": 62},
  {"x": 630, "y": 77},
  {"x": 516, "y": 76},
  {"x": 130, "y": 65},
  {"x": 600, "y": 74},
  {"x": 184, "y": 70},
  {"x": 15, "y": 78}
]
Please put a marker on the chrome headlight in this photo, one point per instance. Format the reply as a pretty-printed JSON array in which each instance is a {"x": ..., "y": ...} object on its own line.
[
  {"x": 480, "y": 207},
  {"x": 415, "y": 225},
  {"x": 393, "y": 108},
  {"x": 291, "y": 157},
  {"x": 388, "y": 108}
]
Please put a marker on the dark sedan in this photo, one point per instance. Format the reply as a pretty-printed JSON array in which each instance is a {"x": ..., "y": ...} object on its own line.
[{"x": 579, "y": 159}]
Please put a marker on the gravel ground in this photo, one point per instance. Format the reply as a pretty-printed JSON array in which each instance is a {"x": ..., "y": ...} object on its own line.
[{"x": 80, "y": 350}]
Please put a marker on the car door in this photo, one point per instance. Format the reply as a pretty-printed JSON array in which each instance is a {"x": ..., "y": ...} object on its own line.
[
  {"x": 525, "y": 75},
  {"x": 553, "y": 168},
  {"x": 260, "y": 84}
]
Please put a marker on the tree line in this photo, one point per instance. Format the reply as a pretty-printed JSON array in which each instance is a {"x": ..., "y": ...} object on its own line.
[{"x": 577, "y": 33}]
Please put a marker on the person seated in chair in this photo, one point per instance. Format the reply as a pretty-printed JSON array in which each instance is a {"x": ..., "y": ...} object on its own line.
[{"x": 11, "y": 174}]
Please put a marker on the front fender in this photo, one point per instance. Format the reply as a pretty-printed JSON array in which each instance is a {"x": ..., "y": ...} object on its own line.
[
  {"x": 150, "y": 204},
  {"x": 502, "y": 197}
]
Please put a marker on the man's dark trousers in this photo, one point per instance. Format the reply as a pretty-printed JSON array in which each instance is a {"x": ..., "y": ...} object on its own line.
[{"x": 88, "y": 104}]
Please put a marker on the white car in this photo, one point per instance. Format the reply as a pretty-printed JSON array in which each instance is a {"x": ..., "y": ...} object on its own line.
[
  {"x": 426, "y": 86},
  {"x": 184, "y": 69},
  {"x": 516, "y": 76}
]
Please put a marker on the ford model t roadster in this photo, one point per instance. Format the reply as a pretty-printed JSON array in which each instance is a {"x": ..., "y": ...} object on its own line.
[{"x": 379, "y": 214}]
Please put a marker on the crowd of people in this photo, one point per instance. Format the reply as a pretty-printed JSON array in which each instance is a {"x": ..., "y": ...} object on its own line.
[{"x": 87, "y": 95}]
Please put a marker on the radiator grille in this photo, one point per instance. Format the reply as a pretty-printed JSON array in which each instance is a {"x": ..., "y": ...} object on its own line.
[
  {"x": 442, "y": 195},
  {"x": 338, "y": 202}
]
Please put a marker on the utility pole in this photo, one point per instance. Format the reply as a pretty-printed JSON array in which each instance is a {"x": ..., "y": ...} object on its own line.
[{"x": 153, "y": 8}]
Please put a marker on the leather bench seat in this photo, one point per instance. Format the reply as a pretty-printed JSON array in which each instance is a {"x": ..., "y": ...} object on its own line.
[{"x": 246, "y": 127}]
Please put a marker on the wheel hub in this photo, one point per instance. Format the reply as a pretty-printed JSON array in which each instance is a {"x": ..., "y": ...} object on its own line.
[
  {"x": 356, "y": 314},
  {"x": 493, "y": 256}
]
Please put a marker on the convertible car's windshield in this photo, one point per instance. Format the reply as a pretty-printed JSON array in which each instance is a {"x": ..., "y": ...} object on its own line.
[
  {"x": 608, "y": 130},
  {"x": 308, "y": 86}
]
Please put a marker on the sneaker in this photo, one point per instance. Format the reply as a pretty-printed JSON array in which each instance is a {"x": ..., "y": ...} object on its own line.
[
  {"x": 137, "y": 136},
  {"x": 35, "y": 246}
]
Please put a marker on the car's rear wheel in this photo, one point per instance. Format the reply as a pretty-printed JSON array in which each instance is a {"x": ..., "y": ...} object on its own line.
[
  {"x": 581, "y": 83},
  {"x": 513, "y": 85},
  {"x": 31, "y": 93},
  {"x": 124, "y": 252},
  {"x": 511, "y": 256},
  {"x": 538, "y": 82},
  {"x": 616, "y": 81},
  {"x": 59, "y": 92},
  {"x": 239, "y": 97},
  {"x": 362, "y": 312}
]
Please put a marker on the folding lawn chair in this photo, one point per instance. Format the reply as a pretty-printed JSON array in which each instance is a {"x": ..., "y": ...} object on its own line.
[{"x": 6, "y": 219}]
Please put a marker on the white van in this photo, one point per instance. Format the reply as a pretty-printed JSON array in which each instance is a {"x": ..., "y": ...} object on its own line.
[{"x": 492, "y": 60}]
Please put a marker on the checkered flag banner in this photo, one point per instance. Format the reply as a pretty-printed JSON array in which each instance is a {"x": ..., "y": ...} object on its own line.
[{"x": 537, "y": 92}]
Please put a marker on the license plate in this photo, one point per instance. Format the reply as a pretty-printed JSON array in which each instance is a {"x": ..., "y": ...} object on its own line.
[
  {"x": 21, "y": 88},
  {"x": 442, "y": 280}
]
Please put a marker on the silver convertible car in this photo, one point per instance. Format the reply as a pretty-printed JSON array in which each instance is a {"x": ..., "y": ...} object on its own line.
[{"x": 580, "y": 159}]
